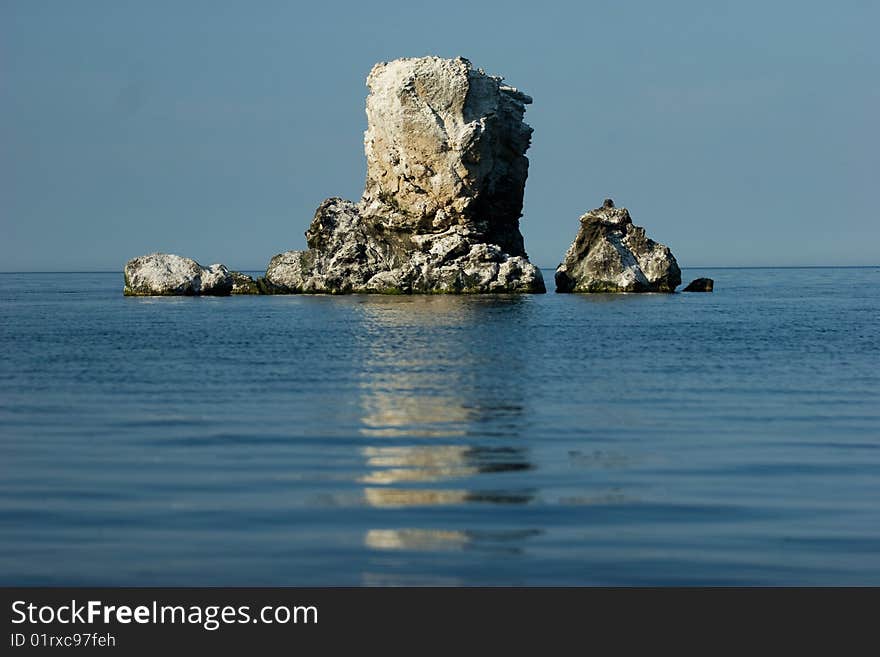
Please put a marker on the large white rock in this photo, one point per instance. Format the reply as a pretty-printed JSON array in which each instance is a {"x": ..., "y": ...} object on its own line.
[
  {"x": 445, "y": 146},
  {"x": 164, "y": 274},
  {"x": 446, "y": 170}
]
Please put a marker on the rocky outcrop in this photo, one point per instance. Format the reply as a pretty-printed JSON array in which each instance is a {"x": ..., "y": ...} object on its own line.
[
  {"x": 445, "y": 146},
  {"x": 611, "y": 254},
  {"x": 446, "y": 171},
  {"x": 163, "y": 274},
  {"x": 700, "y": 285},
  {"x": 346, "y": 256},
  {"x": 243, "y": 284}
]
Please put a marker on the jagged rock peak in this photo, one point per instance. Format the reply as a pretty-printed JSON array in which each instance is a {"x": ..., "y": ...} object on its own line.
[{"x": 611, "y": 254}]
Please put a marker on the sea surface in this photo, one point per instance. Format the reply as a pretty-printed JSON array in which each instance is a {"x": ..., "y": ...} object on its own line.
[{"x": 730, "y": 438}]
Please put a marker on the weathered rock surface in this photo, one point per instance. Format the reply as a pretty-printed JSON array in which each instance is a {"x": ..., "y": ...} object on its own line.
[
  {"x": 243, "y": 284},
  {"x": 345, "y": 256},
  {"x": 700, "y": 285},
  {"x": 163, "y": 274},
  {"x": 445, "y": 146},
  {"x": 611, "y": 254},
  {"x": 446, "y": 171}
]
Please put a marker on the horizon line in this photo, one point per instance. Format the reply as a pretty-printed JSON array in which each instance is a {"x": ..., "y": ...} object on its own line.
[{"x": 116, "y": 271}]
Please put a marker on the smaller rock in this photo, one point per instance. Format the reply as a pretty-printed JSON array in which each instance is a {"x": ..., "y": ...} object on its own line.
[
  {"x": 164, "y": 274},
  {"x": 700, "y": 285},
  {"x": 243, "y": 284},
  {"x": 611, "y": 254}
]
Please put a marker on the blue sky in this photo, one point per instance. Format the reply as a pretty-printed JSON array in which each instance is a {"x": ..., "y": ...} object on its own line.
[{"x": 741, "y": 133}]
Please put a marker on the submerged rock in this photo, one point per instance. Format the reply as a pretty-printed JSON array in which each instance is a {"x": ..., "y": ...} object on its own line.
[
  {"x": 700, "y": 285},
  {"x": 163, "y": 274},
  {"x": 446, "y": 171},
  {"x": 611, "y": 254}
]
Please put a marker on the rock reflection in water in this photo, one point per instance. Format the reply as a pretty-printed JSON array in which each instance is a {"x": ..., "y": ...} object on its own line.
[
  {"x": 413, "y": 388},
  {"x": 438, "y": 462},
  {"x": 415, "y": 539},
  {"x": 390, "y": 415},
  {"x": 439, "y": 539},
  {"x": 397, "y": 497}
]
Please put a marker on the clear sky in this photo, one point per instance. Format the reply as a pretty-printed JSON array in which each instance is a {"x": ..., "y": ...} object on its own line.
[{"x": 738, "y": 133}]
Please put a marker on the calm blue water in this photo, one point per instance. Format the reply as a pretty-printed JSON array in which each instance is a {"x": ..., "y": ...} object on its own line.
[{"x": 725, "y": 438}]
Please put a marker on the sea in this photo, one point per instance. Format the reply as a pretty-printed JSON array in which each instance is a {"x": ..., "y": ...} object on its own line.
[{"x": 730, "y": 438}]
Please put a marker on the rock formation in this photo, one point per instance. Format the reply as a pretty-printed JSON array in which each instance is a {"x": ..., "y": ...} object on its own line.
[
  {"x": 446, "y": 171},
  {"x": 243, "y": 284},
  {"x": 611, "y": 254},
  {"x": 162, "y": 274},
  {"x": 700, "y": 285}
]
